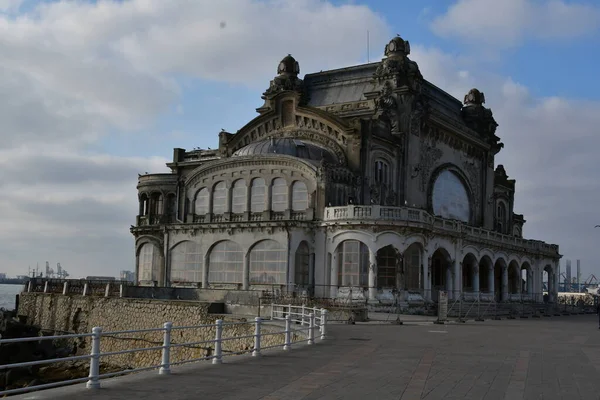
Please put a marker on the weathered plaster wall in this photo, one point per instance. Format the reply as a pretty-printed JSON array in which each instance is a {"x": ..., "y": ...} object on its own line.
[{"x": 79, "y": 314}]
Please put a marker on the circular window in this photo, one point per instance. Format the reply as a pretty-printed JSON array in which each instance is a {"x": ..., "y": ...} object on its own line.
[{"x": 450, "y": 198}]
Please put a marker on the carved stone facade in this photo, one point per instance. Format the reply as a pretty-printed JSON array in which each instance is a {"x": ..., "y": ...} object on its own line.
[{"x": 367, "y": 182}]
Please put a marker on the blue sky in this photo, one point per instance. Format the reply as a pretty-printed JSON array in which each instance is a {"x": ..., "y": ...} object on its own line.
[{"x": 94, "y": 92}]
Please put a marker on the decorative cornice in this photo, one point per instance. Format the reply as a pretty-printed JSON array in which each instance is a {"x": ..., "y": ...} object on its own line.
[{"x": 251, "y": 161}]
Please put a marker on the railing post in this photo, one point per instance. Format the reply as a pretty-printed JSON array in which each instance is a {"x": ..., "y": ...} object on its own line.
[
  {"x": 165, "y": 367},
  {"x": 288, "y": 337},
  {"x": 29, "y": 286},
  {"x": 302, "y": 317},
  {"x": 94, "y": 380},
  {"x": 85, "y": 289},
  {"x": 323, "y": 323},
  {"x": 121, "y": 288},
  {"x": 290, "y": 310},
  {"x": 218, "y": 357},
  {"x": 107, "y": 290},
  {"x": 46, "y": 287},
  {"x": 311, "y": 328},
  {"x": 65, "y": 288},
  {"x": 256, "y": 351}
]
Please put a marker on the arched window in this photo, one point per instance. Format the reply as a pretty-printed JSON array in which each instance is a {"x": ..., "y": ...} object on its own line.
[
  {"x": 501, "y": 217},
  {"x": 412, "y": 268},
  {"x": 301, "y": 266},
  {"x": 299, "y": 196},
  {"x": 258, "y": 197},
  {"x": 186, "y": 262},
  {"x": 382, "y": 172},
  {"x": 226, "y": 263},
  {"x": 149, "y": 260},
  {"x": 219, "y": 198},
  {"x": 202, "y": 204},
  {"x": 353, "y": 263},
  {"x": 279, "y": 195},
  {"x": 156, "y": 204},
  {"x": 387, "y": 267},
  {"x": 450, "y": 198},
  {"x": 239, "y": 197},
  {"x": 268, "y": 263}
]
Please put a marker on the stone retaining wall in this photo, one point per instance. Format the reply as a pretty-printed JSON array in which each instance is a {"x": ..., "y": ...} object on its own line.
[{"x": 79, "y": 314}]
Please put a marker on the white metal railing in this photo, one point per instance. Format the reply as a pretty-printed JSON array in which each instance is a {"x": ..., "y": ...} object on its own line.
[
  {"x": 309, "y": 323},
  {"x": 313, "y": 317}
]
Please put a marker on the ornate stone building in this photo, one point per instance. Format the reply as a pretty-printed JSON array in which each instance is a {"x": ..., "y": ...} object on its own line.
[{"x": 366, "y": 180}]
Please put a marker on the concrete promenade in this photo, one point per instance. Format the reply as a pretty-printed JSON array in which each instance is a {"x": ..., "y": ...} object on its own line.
[{"x": 548, "y": 358}]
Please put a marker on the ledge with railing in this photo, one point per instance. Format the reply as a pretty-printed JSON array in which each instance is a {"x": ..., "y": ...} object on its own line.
[
  {"x": 420, "y": 217},
  {"x": 312, "y": 321}
]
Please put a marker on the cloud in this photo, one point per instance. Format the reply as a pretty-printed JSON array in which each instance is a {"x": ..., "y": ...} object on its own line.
[
  {"x": 507, "y": 23},
  {"x": 550, "y": 149},
  {"x": 75, "y": 75}
]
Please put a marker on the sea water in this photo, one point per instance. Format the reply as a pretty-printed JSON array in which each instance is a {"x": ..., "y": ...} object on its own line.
[{"x": 8, "y": 295}]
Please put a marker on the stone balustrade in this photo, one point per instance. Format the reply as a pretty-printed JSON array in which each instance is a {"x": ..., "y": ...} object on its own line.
[{"x": 407, "y": 216}]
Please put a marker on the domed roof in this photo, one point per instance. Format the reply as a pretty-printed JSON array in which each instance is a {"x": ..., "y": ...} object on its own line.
[
  {"x": 288, "y": 146},
  {"x": 397, "y": 46},
  {"x": 288, "y": 66}
]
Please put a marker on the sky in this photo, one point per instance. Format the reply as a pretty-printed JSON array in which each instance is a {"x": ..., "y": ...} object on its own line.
[{"x": 94, "y": 92}]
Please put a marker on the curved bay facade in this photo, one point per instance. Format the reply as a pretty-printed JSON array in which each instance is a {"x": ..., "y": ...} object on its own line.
[{"x": 366, "y": 181}]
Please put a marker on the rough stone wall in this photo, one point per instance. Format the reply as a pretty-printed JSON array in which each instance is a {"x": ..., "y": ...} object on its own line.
[{"x": 79, "y": 314}]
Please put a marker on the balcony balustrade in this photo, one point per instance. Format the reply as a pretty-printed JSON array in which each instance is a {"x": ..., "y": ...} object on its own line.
[{"x": 408, "y": 216}]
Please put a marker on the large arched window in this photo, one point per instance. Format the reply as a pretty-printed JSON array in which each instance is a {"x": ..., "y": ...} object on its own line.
[
  {"x": 202, "y": 204},
  {"x": 268, "y": 263},
  {"x": 299, "y": 196},
  {"x": 450, "y": 198},
  {"x": 186, "y": 262},
  {"x": 258, "y": 196},
  {"x": 239, "y": 197},
  {"x": 301, "y": 266},
  {"x": 279, "y": 195},
  {"x": 149, "y": 263},
  {"x": 226, "y": 263},
  {"x": 353, "y": 263},
  {"x": 219, "y": 198}
]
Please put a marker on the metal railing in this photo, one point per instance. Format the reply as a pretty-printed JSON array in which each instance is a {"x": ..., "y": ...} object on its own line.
[{"x": 310, "y": 320}]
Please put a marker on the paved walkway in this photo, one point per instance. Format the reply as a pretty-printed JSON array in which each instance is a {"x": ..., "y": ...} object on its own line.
[{"x": 548, "y": 358}]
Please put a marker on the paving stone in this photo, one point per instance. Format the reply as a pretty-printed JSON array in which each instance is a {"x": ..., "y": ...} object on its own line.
[{"x": 551, "y": 358}]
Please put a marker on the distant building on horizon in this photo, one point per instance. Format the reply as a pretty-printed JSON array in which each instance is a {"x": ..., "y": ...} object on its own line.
[
  {"x": 366, "y": 181},
  {"x": 128, "y": 276}
]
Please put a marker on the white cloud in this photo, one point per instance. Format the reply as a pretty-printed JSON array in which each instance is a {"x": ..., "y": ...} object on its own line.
[
  {"x": 9, "y": 6},
  {"x": 74, "y": 73},
  {"x": 506, "y": 23}
]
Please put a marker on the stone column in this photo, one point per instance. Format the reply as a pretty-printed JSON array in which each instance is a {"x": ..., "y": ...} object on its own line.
[
  {"x": 372, "y": 275},
  {"x": 475, "y": 269},
  {"x": 246, "y": 277},
  {"x": 205, "y": 271},
  {"x": 334, "y": 275},
  {"x": 491, "y": 281},
  {"x": 457, "y": 279},
  {"x": 426, "y": 265},
  {"x": 504, "y": 283},
  {"x": 291, "y": 278},
  {"x": 449, "y": 280}
]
